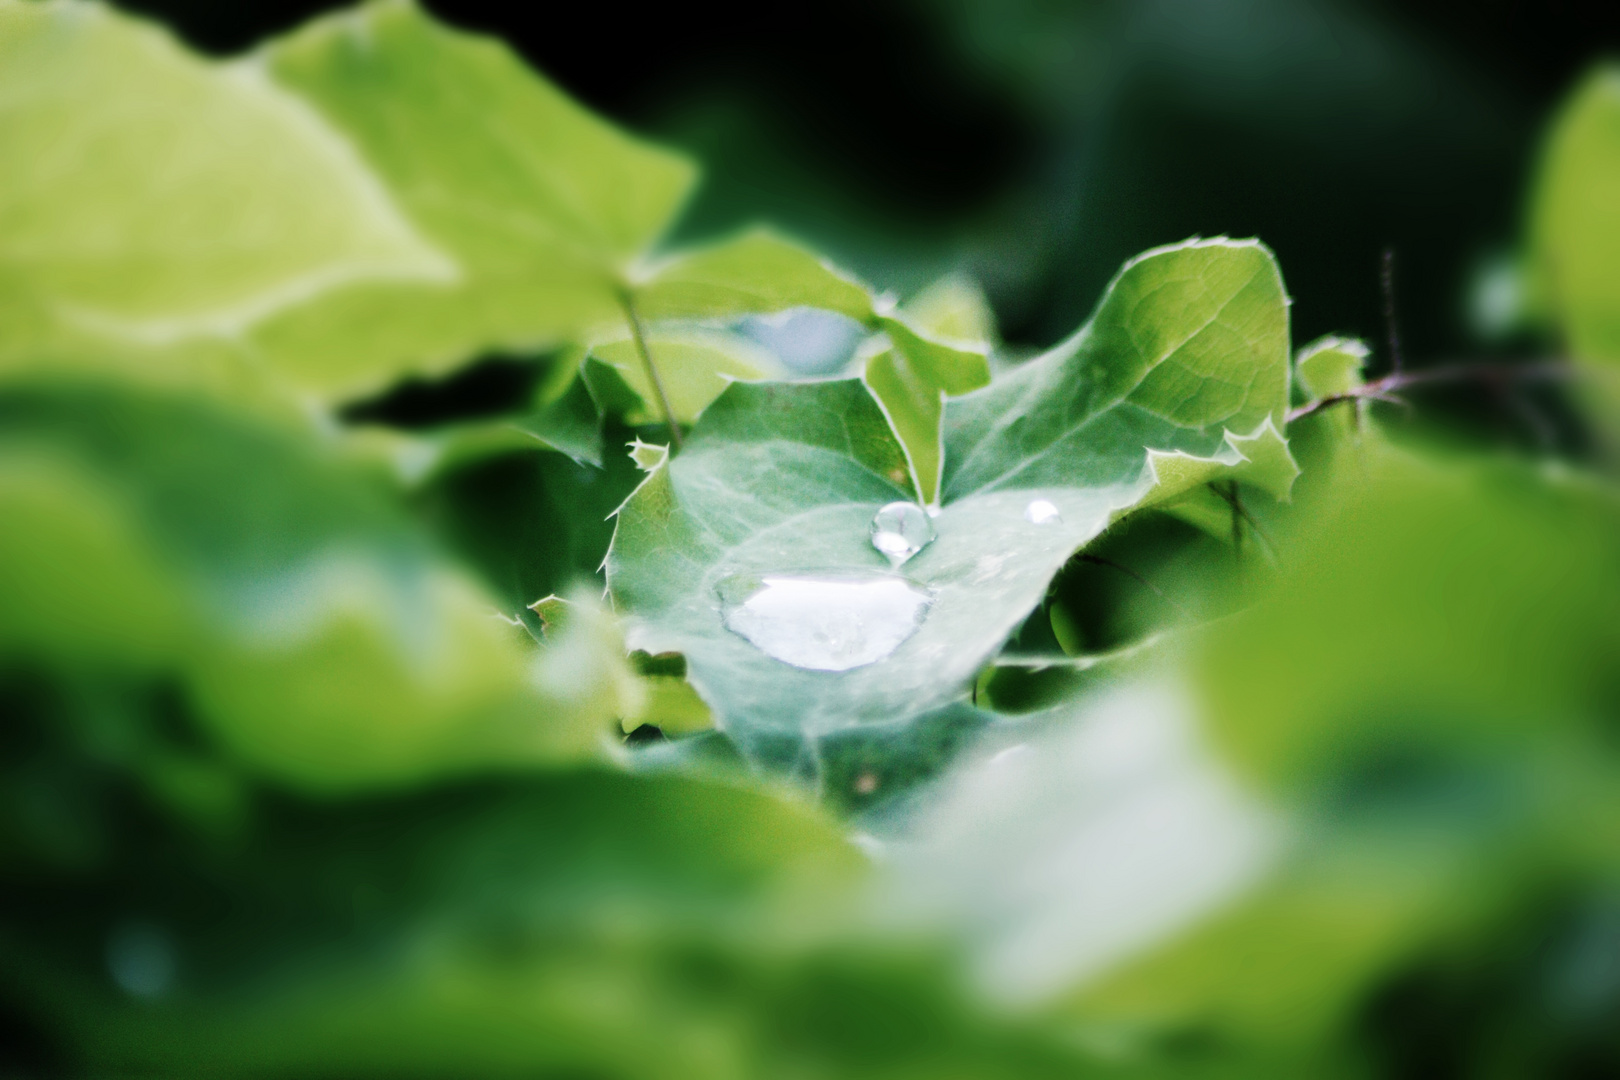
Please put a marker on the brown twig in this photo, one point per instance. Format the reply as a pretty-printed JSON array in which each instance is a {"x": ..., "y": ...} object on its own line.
[{"x": 1387, "y": 388}]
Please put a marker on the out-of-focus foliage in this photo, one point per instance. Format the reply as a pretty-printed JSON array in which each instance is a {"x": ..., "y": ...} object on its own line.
[
  {"x": 1146, "y": 706},
  {"x": 1572, "y": 276},
  {"x": 1575, "y": 223},
  {"x": 316, "y": 633}
]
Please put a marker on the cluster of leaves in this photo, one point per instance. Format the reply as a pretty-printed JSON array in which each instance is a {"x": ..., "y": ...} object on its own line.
[{"x": 307, "y": 768}]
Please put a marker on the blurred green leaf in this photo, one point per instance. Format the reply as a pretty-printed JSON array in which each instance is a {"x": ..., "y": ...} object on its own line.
[
  {"x": 696, "y": 364},
  {"x": 756, "y": 272},
  {"x": 955, "y": 309},
  {"x": 541, "y": 205},
  {"x": 1426, "y": 692},
  {"x": 320, "y": 636},
  {"x": 1574, "y": 224},
  {"x": 572, "y": 424},
  {"x": 1476, "y": 599},
  {"x": 153, "y": 197},
  {"x": 585, "y": 920}
]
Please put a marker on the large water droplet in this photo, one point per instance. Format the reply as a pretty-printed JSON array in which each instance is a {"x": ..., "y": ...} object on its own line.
[
  {"x": 900, "y": 530},
  {"x": 1041, "y": 512},
  {"x": 824, "y": 622}
]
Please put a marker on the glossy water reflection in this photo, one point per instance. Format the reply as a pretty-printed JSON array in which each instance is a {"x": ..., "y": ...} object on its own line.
[{"x": 823, "y": 622}]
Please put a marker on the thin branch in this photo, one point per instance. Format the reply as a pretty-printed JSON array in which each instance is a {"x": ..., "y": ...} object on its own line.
[
  {"x": 1386, "y": 281},
  {"x": 1387, "y": 388},
  {"x": 647, "y": 362}
]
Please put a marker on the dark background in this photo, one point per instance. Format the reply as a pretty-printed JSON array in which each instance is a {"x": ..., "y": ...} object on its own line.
[{"x": 1037, "y": 144}]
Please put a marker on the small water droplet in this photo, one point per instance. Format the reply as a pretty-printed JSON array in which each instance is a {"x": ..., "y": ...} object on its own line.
[
  {"x": 823, "y": 622},
  {"x": 900, "y": 530},
  {"x": 1041, "y": 512}
]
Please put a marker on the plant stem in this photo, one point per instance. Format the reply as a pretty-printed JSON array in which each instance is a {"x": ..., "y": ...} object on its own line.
[{"x": 647, "y": 362}]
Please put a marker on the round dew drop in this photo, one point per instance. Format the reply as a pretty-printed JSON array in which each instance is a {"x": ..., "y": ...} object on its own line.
[{"x": 900, "y": 530}]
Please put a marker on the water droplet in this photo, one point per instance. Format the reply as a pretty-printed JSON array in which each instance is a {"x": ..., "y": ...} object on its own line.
[
  {"x": 1042, "y": 512},
  {"x": 823, "y": 622},
  {"x": 900, "y": 530}
]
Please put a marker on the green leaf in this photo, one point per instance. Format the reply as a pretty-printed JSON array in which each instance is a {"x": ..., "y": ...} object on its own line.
[
  {"x": 695, "y": 364},
  {"x": 1574, "y": 241},
  {"x": 532, "y": 521},
  {"x": 371, "y": 196},
  {"x": 1482, "y": 592},
  {"x": 319, "y": 635},
  {"x": 572, "y": 423},
  {"x": 1421, "y": 693},
  {"x": 757, "y": 272},
  {"x": 542, "y": 206},
  {"x": 668, "y": 701},
  {"x": 782, "y": 481},
  {"x": 1189, "y": 344},
  {"x": 954, "y": 309},
  {"x": 911, "y": 375},
  {"x": 1023, "y": 684},
  {"x": 152, "y": 198},
  {"x": 480, "y": 930},
  {"x": 1330, "y": 366}
]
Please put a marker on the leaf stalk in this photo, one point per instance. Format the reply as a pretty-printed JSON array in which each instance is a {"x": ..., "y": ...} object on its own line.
[{"x": 640, "y": 338}]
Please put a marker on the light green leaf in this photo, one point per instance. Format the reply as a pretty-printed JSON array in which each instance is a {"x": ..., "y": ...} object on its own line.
[
  {"x": 1329, "y": 366},
  {"x": 151, "y": 197},
  {"x": 696, "y": 365},
  {"x": 778, "y": 484},
  {"x": 320, "y": 637},
  {"x": 542, "y": 205},
  {"x": 1189, "y": 343},
  {"x": 1574, "y": 242},
  {"x": 756, "y": 272},
  {"x": 910, "y": 375},
  {"x": 667, "y": 700},
  {"x": 954, "y": 309}
]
